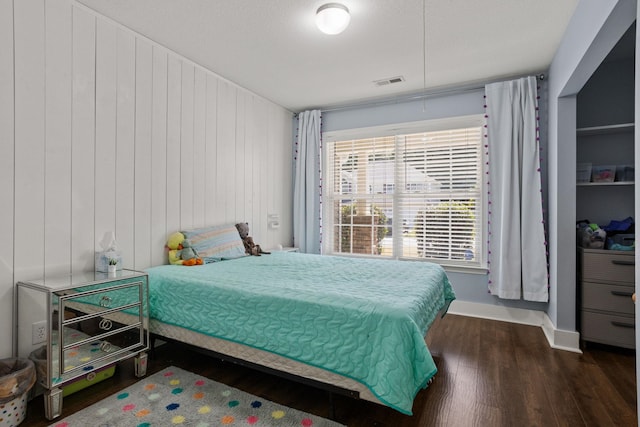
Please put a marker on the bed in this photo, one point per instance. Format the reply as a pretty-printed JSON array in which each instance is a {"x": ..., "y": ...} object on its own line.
[{"x": 352, "y": 323}]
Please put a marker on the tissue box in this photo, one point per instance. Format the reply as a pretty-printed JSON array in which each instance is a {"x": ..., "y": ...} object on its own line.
[{"x": 102, "y": 260}]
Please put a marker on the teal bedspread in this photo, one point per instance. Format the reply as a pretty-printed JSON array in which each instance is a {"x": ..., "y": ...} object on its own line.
[{"x": 362, "y": 318}]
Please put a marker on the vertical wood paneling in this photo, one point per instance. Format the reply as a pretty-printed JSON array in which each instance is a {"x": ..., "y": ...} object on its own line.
[
  {"x": 286, "y": 172},
  {"x": 58, "y": 87},
  {"x": 279, "y": 190},
  {"x": 273, "y": 167},
  {"x": 106, "y": 97},
  {"x": 248, "y": 164},
  {"x": 186, "y": 147},
  {"x": 159, "y": 158},
  {"x": 125, "y": 137},
  {"x": 260, "y": 169},
  {"x": 109, "y": 131},
  {"x": 226, "y": 151},
  {"x": 174, "y": 107},
  {"x": 83, "y": 142},
  {"x": 142, "y": 175},
  {"x": 29, "y": 43},
  {"x": 285, "y": 180},
  {"x": 241, "y": 171},
  {"x": 199, "y": 141},
  {"x": 6, "y": 175},
  {"x": 211, "y": 171}
]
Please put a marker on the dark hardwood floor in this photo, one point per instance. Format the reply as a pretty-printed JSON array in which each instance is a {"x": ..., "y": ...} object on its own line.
[{"x": 490, "y": 373}]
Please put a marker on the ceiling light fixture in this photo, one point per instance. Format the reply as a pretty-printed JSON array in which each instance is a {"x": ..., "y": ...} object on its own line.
[{"x": 332, "y": 18}]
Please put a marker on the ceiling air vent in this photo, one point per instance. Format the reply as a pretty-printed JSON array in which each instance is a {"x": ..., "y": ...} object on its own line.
[{"x": 388, "y": 81}]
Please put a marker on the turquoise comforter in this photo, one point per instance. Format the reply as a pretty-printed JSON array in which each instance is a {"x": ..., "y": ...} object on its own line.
[{"x": 362, "y": 318}]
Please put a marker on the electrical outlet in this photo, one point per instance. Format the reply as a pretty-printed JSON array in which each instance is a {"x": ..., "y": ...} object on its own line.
[{"x": 39, "y": 332}]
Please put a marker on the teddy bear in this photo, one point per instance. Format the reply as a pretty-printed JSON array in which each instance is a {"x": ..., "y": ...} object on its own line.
[
  {"x": 181, "y": 252},
  {"x": 250, "y": 247}
]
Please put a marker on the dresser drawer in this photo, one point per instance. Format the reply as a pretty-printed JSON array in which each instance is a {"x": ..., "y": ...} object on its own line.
[
  {"x": 605, "y": 297},
  {"x": 608, "y": 329},
  {"x": 608, "y": 266}
]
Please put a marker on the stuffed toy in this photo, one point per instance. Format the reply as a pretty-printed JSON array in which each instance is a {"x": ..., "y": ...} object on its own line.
[
  {"x": 250, "y": 248},
  {"x": 181, "y": 252},
  {"x": 591, "y": 236}
]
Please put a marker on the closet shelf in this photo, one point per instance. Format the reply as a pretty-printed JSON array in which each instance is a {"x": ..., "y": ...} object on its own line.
[
  {"x": 604, "y": 184},
  {"x": 606, "y": 129}
]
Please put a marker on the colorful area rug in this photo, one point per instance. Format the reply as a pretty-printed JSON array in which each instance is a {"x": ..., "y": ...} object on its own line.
[{"x": 177, "y": 397}]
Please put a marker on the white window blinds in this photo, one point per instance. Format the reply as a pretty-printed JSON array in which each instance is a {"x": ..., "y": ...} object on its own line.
[{"x": 414, "y": 195}]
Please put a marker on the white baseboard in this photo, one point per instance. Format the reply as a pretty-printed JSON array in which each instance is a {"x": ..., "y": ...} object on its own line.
[{"x": 557, "y": 338}]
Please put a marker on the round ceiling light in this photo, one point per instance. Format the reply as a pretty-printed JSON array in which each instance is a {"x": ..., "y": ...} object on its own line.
[{"x": 332, "y": 18}]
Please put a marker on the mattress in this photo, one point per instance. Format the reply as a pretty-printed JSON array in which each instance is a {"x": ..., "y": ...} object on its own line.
[{"x": 361, "y": 319}]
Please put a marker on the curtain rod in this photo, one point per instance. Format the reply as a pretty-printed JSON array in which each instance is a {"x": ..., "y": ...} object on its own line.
[{"x": 414, "y": 97}]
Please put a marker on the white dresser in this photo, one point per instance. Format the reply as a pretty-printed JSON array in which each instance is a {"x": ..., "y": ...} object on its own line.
[{"x": 606, "y": 282}]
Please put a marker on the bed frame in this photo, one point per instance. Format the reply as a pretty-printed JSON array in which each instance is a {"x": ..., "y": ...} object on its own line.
[{"x": 262, "y": 361}]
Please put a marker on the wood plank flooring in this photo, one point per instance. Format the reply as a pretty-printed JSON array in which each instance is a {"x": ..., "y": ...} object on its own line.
[{"x": 490, "y": 373}]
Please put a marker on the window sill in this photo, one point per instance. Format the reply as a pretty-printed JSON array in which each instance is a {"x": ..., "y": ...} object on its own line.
[{"x": 466, "y": 269}]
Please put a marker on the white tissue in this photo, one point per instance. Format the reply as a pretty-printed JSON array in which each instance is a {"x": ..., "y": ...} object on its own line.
[{"x": 108, "y": 242}]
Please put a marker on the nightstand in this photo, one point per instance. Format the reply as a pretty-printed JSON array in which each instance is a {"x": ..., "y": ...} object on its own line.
[{"x": 83, "y": 323}]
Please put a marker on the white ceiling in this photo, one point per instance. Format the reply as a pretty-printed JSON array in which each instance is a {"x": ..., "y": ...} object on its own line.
[{"x": 273, "y": 48}]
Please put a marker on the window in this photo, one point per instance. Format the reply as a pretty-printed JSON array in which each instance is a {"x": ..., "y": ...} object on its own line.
[{"x": 416, "y": 193}]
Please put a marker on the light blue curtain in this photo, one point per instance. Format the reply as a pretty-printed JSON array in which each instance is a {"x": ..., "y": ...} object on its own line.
[
  {"x": 307, "y": 184},
  {"x": 517, "y": 246}
]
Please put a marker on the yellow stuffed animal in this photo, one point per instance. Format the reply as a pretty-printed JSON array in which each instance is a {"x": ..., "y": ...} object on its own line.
[{"x": 181, "y": 252}]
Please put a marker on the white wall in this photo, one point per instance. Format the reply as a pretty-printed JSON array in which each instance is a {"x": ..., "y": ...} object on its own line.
[{"x": 102, "y": 129}]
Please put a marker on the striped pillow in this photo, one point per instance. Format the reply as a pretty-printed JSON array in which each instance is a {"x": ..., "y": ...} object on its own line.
[{"x": 216, "y": 243}]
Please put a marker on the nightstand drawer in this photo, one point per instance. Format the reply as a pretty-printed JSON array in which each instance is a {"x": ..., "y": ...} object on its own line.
[
  {"x": 99, "y": 350},
  {"x": 616, "y": 298},
  {"x": 97, "y": 300},
  {"x": 608, "y": 329},
  {"x": 608, "y": 267}
]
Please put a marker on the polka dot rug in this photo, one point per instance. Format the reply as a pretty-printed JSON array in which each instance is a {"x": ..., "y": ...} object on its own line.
[{"x": 175, "y": 397}]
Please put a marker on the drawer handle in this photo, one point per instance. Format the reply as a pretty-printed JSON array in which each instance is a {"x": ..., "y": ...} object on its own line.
[
  {"x": 623, "y": 324},
  {"x": 105, "y": 301},
  {"x": 105, "y": 346},
  {"x": 106, "y": 324},
  {"x": 622, "y": 262},
  {"x": 621, "y": 293}
]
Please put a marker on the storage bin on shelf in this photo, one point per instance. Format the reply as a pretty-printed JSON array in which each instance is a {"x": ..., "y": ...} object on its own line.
[
  {"x": 604, "y": 173},
  {"x": 583, "y": 172},
  {"x": 17, "y": 376},
  {"x": 625, "y": 173}
]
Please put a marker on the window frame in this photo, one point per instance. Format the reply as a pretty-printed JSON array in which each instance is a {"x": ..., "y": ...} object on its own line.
[{"x": 397, "y": 129}]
